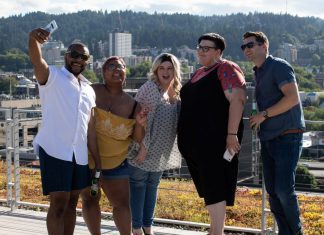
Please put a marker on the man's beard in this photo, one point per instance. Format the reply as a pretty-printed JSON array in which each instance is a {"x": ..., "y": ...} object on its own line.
[{"x": 70, "y": 69}]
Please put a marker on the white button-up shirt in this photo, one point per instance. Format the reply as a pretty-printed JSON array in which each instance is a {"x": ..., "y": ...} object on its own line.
[{"x": 66, "y": 109}]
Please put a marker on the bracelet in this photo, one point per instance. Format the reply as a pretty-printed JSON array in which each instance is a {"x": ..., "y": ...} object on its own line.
[{"x": 231, "y": 134}]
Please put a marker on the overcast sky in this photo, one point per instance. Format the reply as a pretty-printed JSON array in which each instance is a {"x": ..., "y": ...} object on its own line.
[{"x": 197, "y": 7}]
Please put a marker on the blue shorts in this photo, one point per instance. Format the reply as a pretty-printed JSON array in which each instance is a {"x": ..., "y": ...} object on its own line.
[
  {"x": 119, "y": 172},
  {"x": 62, "y": 176}
]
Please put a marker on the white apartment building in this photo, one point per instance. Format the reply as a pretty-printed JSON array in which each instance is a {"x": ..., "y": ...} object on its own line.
[
  {"x": 51, "y": 52},
  {"x": 120, "y": 44}
]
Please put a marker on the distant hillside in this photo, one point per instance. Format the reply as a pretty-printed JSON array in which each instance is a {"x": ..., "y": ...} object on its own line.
[{"x": 161, "y": 30}]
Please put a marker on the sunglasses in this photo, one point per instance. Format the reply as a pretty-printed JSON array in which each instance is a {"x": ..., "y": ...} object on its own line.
[
  {"x": 77, "y": 55},
  {"x": 250, "y": 45},
  {"x": 112, "y": 67},
  {"x": 205, "y": 48}
]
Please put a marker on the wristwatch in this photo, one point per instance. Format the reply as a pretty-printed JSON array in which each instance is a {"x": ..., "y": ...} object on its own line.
[{"x": 265, "y": 114}]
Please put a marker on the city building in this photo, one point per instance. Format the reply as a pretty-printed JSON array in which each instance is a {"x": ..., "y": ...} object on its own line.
[
  {"x": 319, "y": 43},
  {"x": 120, "y": 44},
  {"x": 52, "y": 52},
  {"x": 29, "y": 123},
  {"x": 102, "y": 48},
  {"x": 288, "y": 52},
  {"x": 134, "y": 60}
]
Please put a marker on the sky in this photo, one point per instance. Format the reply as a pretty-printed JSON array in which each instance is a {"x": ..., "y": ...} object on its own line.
[{"x": 197, "y": 7}]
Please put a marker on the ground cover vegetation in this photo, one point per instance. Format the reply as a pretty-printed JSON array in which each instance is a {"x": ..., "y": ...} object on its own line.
[{"x": 178, "y": 200}]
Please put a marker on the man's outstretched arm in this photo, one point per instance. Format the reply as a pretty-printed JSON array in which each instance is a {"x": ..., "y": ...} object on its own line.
[{"x": 36, "y": 38}]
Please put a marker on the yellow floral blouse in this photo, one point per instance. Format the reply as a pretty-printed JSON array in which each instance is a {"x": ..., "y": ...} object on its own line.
[{"x": 113, "y": 138}]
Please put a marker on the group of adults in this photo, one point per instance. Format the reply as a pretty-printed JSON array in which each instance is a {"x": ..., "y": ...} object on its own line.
[{"x": 132, "y": 141}]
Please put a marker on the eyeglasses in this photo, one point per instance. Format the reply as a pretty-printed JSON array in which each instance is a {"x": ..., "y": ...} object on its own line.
[
  {"x": 250, "y": 45},
  {"x": 77, "y": 55},
  {"x": 204, "y": 48},
  {"x": 112, "y": 67}
]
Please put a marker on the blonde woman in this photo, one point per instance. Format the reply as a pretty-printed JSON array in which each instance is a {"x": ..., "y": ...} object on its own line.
[{"x": 160, "y": 95}]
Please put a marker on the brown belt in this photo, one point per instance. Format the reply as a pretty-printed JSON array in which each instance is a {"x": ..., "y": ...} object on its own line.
[{"x": 292, "y": 131}]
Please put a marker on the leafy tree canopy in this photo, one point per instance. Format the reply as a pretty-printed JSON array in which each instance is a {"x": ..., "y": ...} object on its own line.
[
  {"x": 140, "y": 70},
  {"x": 90, "y": 75},
  {"x": 161, "y": 30},
  {"x": 306, "y": 81},
  {"x": 5, "y": 85},
  {"x": 13, "y": 60}
]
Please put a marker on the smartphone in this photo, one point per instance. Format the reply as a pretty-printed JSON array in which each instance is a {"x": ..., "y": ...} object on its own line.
[
  {"x": 51, "y": 27},
  {"x": 228, "y": 156}
]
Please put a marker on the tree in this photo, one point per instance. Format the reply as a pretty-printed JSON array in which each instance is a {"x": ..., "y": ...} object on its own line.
[
  {"x": 304, "y": 178},
  {"x": 162, "y": 30},
  {"x": 247, "y": 68},
  {"x": 316, "y": 59},
  {"x": 315, "y": 114},
  {"x": 140, "y": 70},
  {"x": 290, "y": 38},
  {"x": 90, "y": 75},
  {"x": 305, "y": 80},
  {"x": 5, "y": 85},
  {"x": 13, "y": 60},
  {"x": 185, "y": 69}
]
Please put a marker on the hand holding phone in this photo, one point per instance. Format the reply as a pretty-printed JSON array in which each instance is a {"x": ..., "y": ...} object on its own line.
[
  {"x": 228, "y": 156},
  {"x": 51, "y": 27}
]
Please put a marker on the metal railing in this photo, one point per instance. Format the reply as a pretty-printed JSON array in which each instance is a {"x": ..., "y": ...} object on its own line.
[{"x": 15, "y": 142}]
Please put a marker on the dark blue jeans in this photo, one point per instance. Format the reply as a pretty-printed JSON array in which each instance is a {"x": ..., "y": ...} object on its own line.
[{"x": 279, "y": 159}]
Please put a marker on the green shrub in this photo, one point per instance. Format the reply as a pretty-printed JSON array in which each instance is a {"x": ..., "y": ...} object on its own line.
[{"x": 304, "y": 178}]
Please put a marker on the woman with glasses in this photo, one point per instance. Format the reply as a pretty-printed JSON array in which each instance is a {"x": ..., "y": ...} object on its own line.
[
  {"x": 118, "y": 119},
  {"x": 210, "y": 123},
  {"x": 158, "y": 151}
]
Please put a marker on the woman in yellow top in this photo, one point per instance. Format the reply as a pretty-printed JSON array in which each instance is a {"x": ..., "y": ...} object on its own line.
[{"x": 118, "y": 119}]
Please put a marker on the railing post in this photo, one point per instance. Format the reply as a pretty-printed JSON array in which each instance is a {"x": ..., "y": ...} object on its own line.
[
  {"x": 256, "y": 154},
  {"x": 9, "y": 151},
  {"x": 16, "y": 157},
  {"x": 265, "y": 212},
  {"x": 255, "y": 157},
  {"x": 264, "y": 208}
]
